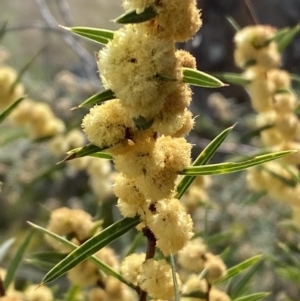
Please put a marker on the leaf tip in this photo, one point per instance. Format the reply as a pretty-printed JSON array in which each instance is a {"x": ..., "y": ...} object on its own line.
[{"x": 65, "y": 27}]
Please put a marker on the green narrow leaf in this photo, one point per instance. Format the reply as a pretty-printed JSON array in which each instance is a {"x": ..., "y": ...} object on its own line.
[
  {"x": 229, "y": 167},
  {"x": 253, "y": 297},
  {"x": 101, "y": 36},
  {"x": 25, "y": 68},
  {"x": 237, "y": 288},
  {"x": 201, "y": 79},
  {"x": 287, "y": 38},
  {"x": 232, "y": 272},
  {"x": 256, "y": 132},
  {"x": 97, "y": 98},
  {"x": 278, "y": 36},
  {"x": 102, "y": 266},
  {"x": 14, "y": 264},
  {"x": 288, "y": 182},
  {"x": 196, "y": 294},
  {"x": 102, "y": 155},
  {"x": 7, "y": 111},
  {"x": 233, "y": 23},
  {"x": 232, "y": 78},
  {"x": 46, "y": 260},
  {"x": 3, "y": 30},
  {"x": 290, "y": 273},
  {"x": 134, "y": 17},
  {"x": 218, "y": 238},
  {"x": 295, "y": 78},
  {"x": 173, "y": 268},
  {"x": 91, "y": 246},
  {"x": 4, "y": 247},
  {"x": 202, "y": 159},
  {"x": 82, "y": 152},
  {"x": 45, "y": 174},
  {"x": 139, "y": 237},
  {"x": 142, "y": 123},
  {"x": 73, "y": 293}
]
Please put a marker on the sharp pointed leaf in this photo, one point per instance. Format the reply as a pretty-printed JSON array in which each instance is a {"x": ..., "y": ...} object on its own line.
[
  {"x": 233, "y": 23},
  {"x": 287, "y": 38},
  {"x": 229, "y": 167},
  {"x": 202, "y": 159},
  {"x": 14, "y": 264},
  {"x": 25, "y": 68},
  {"x": 82, "y": 152},
  {"x": 103, "y": 266},
  {"x": 3, "y": 30},
  {"x": 134, "y": 17},
  {"x": 102, "y": 155},
  {"x": 232, "y": 272},
  {"x": 201, "y": 79},
  {"x": 101, "y": 36},
  {"x": 253, "y": 297},
  {"x": 98, "y": 98},
  {"x": 91, "y": 246},
  {"x": 7, "y": 111},
  {"x": 237, "y": 288},
  {"x": 4, "y": 247},
  {"x": 233, "y": 78}
]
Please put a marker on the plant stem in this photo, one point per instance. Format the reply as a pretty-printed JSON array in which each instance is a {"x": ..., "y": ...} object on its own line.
[
  {"x": 2, "y": 289},
  {"x": 251, "y": 12},
  {"x": 149, "y": 254},
  {"x": 208, "y": 290}
]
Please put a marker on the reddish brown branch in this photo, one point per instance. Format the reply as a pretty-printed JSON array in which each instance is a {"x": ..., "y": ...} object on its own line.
[
  {"x": 149, "y": 254},
  {"x": 2, "y": 288}
]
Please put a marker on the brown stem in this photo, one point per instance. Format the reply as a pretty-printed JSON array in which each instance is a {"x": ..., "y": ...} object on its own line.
[
  {"x": 251, "y": 12},
  {"x": 2, "y": 288},
  {"x": 149, "y": 254},
  {"x": 208, "y": 290}
]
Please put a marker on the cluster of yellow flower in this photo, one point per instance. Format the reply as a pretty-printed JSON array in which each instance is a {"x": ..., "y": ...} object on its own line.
[
  {"x": 143, "y": 130},
  {"x": 156, "y": 276},
  {"x": 99, "y": 171},
  {"x": 271, "y": 96},
  {"x": 30, "y": 293},
  {"x": 10, "y": 90},
  {"x": 38, "y": 118},
  {"x": 79, "y": 226},
  {"x": 133, "y": 65}
]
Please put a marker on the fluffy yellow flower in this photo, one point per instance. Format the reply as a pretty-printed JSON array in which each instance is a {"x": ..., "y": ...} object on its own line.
[
  {"x": 130, "y": 65},
  {"x": 253, "y": 46},
  {"x": 171, "y": 226},
  {"x": 131, "y": 267},
  {"x": 107, "y": 125},
  {"x": 176, "y": 19},
  {"x": 156, "y": 279},
  {"x": 8, "y": 94}
]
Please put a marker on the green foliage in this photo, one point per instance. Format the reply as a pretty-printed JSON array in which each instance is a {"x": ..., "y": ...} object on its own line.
[
  {"x": 14, "y": 264},
  {"x": 229, "y": 167},
  {"x": 200, "y": 79},
  {"x": 60, "y": 268},
  {"x": 98, "y": 98},
  {"x": 133, "y": 17},
  {"x": 101, "y": 36},
  {"x": 202, "y": 159},
  {"x": 90, "y": 247},
  {"x": 8, "y": 111}
]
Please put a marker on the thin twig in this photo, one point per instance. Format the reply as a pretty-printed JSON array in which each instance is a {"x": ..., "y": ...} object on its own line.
[
  {"x": 86, "y": 59},
  {"x": 2, "y": 288},
  {"x": 251, "y": 12},
  {"x": 65, "y": 11},
  {"x": 149, "y": 254}
]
